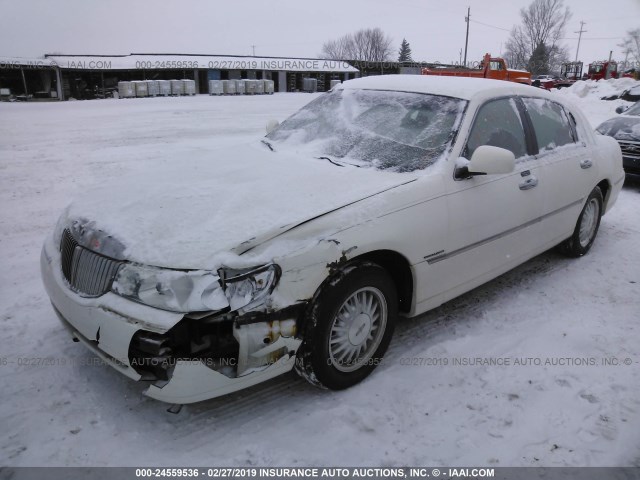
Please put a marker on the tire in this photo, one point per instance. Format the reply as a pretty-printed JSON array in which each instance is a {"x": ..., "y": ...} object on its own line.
[
  {"x": 586, "y": 228},
  {"x": 334, "y": 355}
]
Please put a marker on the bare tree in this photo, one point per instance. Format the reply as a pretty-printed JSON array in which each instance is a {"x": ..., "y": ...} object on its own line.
[
  {"x": 368, "y": 45},
  {"x": 338, "y": 49},
  {"x": 631, "y": 47},
  {"x": 543, "y": 23}
]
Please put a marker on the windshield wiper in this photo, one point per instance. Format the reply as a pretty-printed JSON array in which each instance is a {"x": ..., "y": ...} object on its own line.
[
  {"x": 339, "y": 164},
  {"x": 332, "y": 161},
  {"x": 268, "y": 145}
]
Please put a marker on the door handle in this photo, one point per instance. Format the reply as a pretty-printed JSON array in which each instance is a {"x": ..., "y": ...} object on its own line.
[
  {"x": 586, "y": 163},
  {"x": 529, "y": 183}
]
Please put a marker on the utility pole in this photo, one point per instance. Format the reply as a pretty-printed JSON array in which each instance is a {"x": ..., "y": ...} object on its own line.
[
  {"x": 254, "y": 50},
  {"x": 466, "y": 41},
  {"x": 582, "y": 24},
  {"x": 460, "y": 57}
]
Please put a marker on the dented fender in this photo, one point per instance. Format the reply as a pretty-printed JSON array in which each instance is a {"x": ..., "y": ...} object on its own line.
[{"x": 303, "y": 274}]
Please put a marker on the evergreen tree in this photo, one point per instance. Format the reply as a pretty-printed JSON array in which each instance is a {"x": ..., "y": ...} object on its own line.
[
  {"x": 539, "y": 60},
  {"x": 404, "y": 54}
]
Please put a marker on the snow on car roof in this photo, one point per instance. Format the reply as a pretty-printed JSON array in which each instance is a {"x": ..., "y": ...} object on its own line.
[{"x": 458, "y": 87}]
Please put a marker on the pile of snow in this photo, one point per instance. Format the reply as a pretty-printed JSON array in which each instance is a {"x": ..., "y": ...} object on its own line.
[
  {"x": 587, "y": 95},
  {"x": 601, "y": 88}
]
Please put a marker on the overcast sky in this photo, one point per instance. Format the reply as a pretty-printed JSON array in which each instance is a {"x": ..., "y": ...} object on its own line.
[{"x": 296, "y": 28}]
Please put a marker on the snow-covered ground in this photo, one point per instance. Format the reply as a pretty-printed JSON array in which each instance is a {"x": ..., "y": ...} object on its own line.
[{"x": 569, "y": 315}]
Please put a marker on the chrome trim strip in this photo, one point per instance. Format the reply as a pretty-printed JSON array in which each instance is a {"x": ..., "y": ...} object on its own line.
[
  {"x": 434, "y": 254},
  {"x": 479, "y": 243}
]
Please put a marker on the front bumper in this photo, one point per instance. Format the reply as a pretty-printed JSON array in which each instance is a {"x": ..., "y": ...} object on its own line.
[
  {"x": 631, "y": 165},
  {"x": 107, "y": 325}
]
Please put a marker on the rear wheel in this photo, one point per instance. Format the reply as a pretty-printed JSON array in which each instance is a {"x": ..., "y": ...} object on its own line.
[
  {"x": 586, "y": 228},
  {"x": 349, "y": 327}
]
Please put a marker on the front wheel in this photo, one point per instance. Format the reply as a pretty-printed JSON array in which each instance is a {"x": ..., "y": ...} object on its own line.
[
  {"x": 349, "y": 327},
  {"x": 586, "y": 228}
]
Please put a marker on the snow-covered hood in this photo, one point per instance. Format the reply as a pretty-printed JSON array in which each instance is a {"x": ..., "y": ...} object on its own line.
[
  {"x": 624, "y": 127},
  {"x": 183, "y": 214}
]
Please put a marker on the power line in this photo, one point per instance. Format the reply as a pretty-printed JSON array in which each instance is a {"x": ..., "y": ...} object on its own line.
[
  {"x": 492, "y": 26},
  {"x": 591, "y": 38},
  {"x": 563, "y": 38},
  {"x": 627, "y": 17}
]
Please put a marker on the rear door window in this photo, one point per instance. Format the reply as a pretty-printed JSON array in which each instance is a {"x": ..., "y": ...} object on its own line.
[{"x": 550, "y": 123}]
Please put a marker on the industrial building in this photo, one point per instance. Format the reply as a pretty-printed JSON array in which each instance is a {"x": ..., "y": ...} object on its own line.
[
  {"x": 29, "y": 78},
  {"x": 96, "y": 76}
]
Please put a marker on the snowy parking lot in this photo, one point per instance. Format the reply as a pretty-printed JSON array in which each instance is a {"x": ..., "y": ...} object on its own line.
[{"x": 540, "y": 367}]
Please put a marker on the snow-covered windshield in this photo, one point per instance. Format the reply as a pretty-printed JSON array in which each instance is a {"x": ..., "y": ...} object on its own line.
[{"x": 394, "y": 131}]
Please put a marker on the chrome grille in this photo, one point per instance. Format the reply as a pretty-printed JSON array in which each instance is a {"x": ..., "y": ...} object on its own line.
[
  {"x": 630, "y": 149},
  {"x": 88, "y": 273}
]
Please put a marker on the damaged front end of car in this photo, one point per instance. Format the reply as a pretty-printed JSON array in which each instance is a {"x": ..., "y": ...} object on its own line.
[
  {"x": 225, "y": 324},
  {"x": 193, "y": 334},
  {"x": 205, "y": 356}
]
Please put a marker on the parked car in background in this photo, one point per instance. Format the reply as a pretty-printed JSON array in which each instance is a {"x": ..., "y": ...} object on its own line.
[
  {"x": 625, "y": 128},
  {"x": 543, "y": 81},
  {"x": 563, "y": 82},
  {"x": 630, "y": 94},
  {"x": 383, "y": 198}
]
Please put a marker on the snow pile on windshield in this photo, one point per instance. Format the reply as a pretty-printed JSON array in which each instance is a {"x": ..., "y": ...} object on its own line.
[{"x": 393, "y": 131}]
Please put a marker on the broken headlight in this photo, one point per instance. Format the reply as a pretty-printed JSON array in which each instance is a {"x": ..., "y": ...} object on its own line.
[
  {"x": 174, "y": 290},
  {"x": 249, "y": 287},
  {"x": 195, "y": 291}
]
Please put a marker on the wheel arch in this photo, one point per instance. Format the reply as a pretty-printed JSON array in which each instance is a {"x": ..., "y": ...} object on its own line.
[
  {"x": 393, "y": 262},
  {"x": 399, "y": 268}
]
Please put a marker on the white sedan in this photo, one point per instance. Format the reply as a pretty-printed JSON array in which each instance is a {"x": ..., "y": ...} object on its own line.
[{"x": 383, "y": 198}]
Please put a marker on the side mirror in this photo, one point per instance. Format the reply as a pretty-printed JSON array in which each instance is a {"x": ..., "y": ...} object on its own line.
[
  {"x": 272, "y": 125},
  {"x": 488, "y": 160},
  {"x": 621, "y": 109}
]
